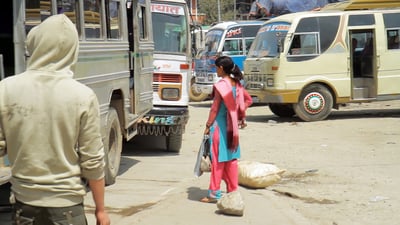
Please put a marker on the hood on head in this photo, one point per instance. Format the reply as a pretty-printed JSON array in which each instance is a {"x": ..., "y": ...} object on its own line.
[{"x": 53, "y": 44}]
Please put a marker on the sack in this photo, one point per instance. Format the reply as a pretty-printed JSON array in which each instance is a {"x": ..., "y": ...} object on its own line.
[
  {"x": 231, "y": 204},
  {"x": 203, "y": 162},
  {"x": 258, "y": 175}
]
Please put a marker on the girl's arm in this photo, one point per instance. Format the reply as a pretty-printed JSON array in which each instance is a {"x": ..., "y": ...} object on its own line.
[
  {"x": 213, "y": 111},
  {"x": 247, "y": 98}
]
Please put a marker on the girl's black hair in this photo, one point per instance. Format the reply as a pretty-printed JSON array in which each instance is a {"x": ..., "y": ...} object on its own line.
[{"x": 229, "y": 67}]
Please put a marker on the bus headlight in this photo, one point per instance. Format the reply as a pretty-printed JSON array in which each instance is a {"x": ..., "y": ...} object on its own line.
[
  {"x": 171, "y": 94},
  {"x": 210, "y": 77},
  {"x": 270, "y": 82},
  {"x": 255, "y": 85}
]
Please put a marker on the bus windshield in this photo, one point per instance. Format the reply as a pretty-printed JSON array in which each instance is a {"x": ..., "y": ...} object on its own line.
[
  {"x": 268, "y": 40},
  {"x": 213, "y": 39},
  {"x": 169, "y": 28}
]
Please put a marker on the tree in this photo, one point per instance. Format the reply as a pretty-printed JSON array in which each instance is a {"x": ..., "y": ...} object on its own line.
[{"x": 210, "y": 9}]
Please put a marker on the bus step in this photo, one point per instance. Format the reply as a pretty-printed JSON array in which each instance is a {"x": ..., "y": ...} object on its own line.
[{"x": 360, "y": 92}]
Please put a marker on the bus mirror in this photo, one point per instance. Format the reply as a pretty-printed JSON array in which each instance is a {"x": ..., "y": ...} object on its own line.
[
  {"x": 280, "y": 45},
  {"x": 2, "y": 76},
  {"x": 280, "y": 38},
  {"x": 198, "y": 38}
]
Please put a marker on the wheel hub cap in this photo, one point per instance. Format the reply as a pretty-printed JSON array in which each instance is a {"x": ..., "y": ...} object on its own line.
[{"x": 314, "y": 103}]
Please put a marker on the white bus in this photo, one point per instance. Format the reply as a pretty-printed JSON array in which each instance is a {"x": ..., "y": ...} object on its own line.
[
  {"x": 172, "y": 67},
  {"x": 115, "y": 58},
  {"x": 310, "y": 62}
]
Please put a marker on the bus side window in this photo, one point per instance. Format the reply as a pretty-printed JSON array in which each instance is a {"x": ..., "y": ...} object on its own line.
[
  {"x": 248, "y": 43},
  {"x": 113, "y": 19},
  {"x": 36, "y": 11},
  {"x": 295, "y": 46},
  {"x": 393, "y": 39},
  {"x": 70, "y": 9},
  {"x": 142, "y": 23},
  {"x": 92, "y": 19},
  {"x": 227, "y": 46},
  {"x": 231, "y": 47},
  {"x": 304, "y": 44},
  {"x": 309, "y": 44}
]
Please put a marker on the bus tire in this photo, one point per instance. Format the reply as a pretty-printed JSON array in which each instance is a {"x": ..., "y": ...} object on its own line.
[
  {"x": 315, "y": 103},
  {"x": 174, "y": 142},
  {"x": 112, "y": 146},
  {"x": 194, "y": 95},
  {"x": 281, "y": 109}
]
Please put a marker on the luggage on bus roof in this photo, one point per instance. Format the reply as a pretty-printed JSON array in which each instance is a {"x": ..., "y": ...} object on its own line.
[{"x": 362, "y": 4}]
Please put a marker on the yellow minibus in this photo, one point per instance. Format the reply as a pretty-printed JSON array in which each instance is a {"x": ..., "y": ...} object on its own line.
[{"x": 308, "y": 63}]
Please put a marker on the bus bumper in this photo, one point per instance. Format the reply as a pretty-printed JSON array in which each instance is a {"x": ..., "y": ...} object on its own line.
[
  {"x": 203, "y": 88},
  {"x": 276, "y": 96},
  {"x": 166, "y": 116},
  {"x": 164, "y": 121}
]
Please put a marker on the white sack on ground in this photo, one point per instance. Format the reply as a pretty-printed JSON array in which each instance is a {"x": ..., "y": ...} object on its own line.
[
  {"x": 231, "y": 204},
  {"x": 258, "y": 175}
]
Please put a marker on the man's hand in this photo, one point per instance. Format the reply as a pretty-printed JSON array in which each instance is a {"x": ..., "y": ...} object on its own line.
[
  {"x": 102, "y": 218},
  {"x": 97, "y": 188}
]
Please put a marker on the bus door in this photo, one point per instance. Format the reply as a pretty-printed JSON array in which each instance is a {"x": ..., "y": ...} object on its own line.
[
  {"x": 7, "y": 40},
  {"x": 363, "y": 61}
]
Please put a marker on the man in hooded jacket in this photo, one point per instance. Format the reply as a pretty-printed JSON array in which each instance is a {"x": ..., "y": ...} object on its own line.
[{"x": 50, "y": 129}]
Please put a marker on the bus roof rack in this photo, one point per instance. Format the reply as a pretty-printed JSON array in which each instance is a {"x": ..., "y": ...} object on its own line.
[{"x": 362, "y": 5}]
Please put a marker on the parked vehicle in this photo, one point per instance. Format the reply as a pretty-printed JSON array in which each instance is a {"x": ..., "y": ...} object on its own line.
[
  {"x": 172, "y": 67},
  {"x": 307, "y": 63},
  {"x": 232, "y": 38},
  {"x": 199, "y": 37},
  {"x": 115, "y": 59}
]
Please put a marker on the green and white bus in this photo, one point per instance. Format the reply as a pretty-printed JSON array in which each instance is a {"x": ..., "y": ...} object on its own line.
[{"x": 115, "y": 58}]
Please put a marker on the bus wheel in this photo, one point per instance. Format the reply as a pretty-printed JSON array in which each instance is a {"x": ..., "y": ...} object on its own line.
[
  {"x": 174, "y": 142},
  {"x": 282, "y": 110},
  {"x": 112, "y": 146},
  {"x": 194, "y": 95},
  {"x": 315, "y": 103}
]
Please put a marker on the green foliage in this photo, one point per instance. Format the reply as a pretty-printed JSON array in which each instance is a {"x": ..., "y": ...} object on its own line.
[{"x": 210, "y": 9}]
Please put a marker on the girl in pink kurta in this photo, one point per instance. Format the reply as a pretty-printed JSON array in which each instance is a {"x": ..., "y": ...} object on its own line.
[{"x": 227, "y": 113}]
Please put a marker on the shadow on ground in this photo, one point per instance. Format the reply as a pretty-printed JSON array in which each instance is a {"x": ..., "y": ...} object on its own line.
[
  {"x": 196, "y": 193},
  {"x": 335, "y": 115}
]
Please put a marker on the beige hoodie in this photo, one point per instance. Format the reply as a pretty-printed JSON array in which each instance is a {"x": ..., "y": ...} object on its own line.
[{"x": 44, "y": 115}]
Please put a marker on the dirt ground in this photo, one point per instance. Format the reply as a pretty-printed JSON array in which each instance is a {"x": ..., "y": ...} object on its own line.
[
  {"x": 343, "y": 170},
  {"x": 340, "y": 171}
]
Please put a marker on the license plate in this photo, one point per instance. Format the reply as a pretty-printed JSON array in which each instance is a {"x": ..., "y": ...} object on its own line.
[
  {"x": 255, "y": 99},
  {"x": 202, "y": 74}
]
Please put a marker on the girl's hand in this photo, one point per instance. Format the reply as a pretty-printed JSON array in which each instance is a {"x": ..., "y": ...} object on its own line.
[{"x": 242, "y": 124}]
